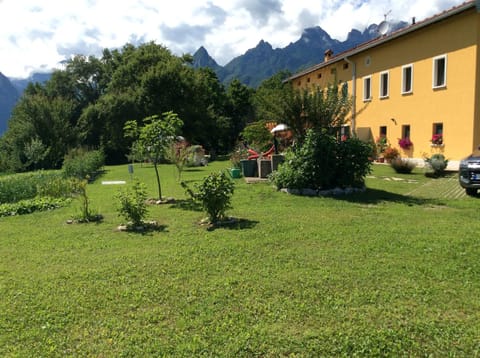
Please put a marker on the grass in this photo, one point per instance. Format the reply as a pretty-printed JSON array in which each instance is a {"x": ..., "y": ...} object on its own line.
[{"x": 380, "y": 273}]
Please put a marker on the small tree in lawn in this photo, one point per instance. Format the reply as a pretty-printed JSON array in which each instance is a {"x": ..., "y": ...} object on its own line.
[
  {"x": 156, "y": 135},
  {"x": 178, "y": 152},
  {"x": 214, "y": 195}
]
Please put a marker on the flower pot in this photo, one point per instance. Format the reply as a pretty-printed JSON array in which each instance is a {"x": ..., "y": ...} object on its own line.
[
  {"x": 249, "y": 167},
  {"x": 264, "y": 167},
  {"x": 235, "y": 173}
]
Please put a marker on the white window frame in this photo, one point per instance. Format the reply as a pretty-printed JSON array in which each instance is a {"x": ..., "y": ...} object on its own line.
[
  {"x": 404, "y": 68},
  {"x": 435, "y": 61},
  {"x": 365, "y": 97},
  {"x": 384, "y": 92}
]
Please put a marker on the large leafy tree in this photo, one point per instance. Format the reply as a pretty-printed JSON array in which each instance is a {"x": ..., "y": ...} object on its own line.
[
  {"x": 302, "y": 109},
  {"x": 240, "y": 108},
  {"x": 48, "y": 121},
  {"x": 89, "y": 101}
]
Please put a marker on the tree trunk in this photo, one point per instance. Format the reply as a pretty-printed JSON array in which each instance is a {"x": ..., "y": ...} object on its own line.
[{"x": 158, "y": 179}]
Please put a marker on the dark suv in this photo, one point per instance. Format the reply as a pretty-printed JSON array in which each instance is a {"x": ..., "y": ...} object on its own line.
[{"x": 469, "y": 175}]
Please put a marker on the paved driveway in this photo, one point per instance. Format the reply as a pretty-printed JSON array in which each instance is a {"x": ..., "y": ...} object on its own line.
[{"x": 446, "y": 187}]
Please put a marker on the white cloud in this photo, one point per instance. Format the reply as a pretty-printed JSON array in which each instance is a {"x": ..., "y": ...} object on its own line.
[{"x": 38, "y": 35}]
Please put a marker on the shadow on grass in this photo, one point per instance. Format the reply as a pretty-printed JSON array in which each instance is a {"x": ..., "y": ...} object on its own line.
[
  {"x": 147, "y": 229},
  {"x": 375, "y": 196},
  {"x": 233, "y": 224},
  {"x": 187, "y": 204}
]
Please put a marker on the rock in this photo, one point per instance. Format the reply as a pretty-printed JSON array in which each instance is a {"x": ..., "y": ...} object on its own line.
[{"x": 309, "y": 192}]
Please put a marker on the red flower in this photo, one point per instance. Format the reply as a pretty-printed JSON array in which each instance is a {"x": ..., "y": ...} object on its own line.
[
  {"x": 437, "y": 139},
  {"x": 405, "y": 143}
]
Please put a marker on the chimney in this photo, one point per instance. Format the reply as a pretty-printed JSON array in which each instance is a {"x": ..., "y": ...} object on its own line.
[
  {"x": 413, "y": 20},
  {"x": 328, "y": 55}
]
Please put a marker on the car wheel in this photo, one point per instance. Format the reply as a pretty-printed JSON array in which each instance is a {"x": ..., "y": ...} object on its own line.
[{"x": 471, "y": 191}]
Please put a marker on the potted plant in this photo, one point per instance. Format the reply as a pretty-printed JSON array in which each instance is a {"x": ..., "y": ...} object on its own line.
[
  {"x": 405, "y": 143},
  {"x": 381, "y": 144},
  {"x": 390, "y": 154},
  {"x": 437, "y": 139},
  {"x": 235, "y": 159}
]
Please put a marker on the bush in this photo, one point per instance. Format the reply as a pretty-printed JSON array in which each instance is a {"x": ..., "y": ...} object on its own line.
[
  {"x": 402, "y": 166},
  {"x": 391, "y": 153},
  {"x": 257, "y": 136},
  {"x": 133, "y": 206},
  {"x": 23, "y": 186},
  {"x": 322, "y": 162},
  {"x": 436, "y": 165},
  {"x": 28, "y": 206},
  {"x": 80, "y": 163},
  {"x": 56, "y": 187},
  {"x": 80, "y": 189},
  {"x": 214, "y": 195},
  {"x": 352, "y": 163}
]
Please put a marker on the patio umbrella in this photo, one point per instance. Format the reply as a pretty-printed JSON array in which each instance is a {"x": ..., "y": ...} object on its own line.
[{"x": 279, "y": 128}]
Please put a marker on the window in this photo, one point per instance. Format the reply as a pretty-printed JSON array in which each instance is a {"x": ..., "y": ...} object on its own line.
[
  {"x": 384, "y": 77},
  {"x": 343, "y": 133},
  {"x": 407, "y": 79},
  {"x": 345, "y": 66},
  {"x": 437, "y": 134},
  {"x": 440, "y": 71},
  {"x": 383, "y": 131},
  {"x": 308, "y": 80},
  {"x": 319, "y": 75},
  {"x": 437, "y": 128},
  {"x": 367, "y": 88},
  {"x": 406, "y": 131}
]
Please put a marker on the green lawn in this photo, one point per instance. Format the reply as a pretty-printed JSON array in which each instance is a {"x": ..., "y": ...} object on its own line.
[{"x": 393, "y": 271}]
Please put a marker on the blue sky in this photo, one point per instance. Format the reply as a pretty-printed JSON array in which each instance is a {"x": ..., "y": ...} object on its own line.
[{"x": 38, "y": 35}]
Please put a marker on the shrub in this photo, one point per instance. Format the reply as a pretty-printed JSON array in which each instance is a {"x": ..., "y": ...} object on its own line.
[
  {"x": 18, "y": 187},
  {"x": 56, "y": 187},
  {"x": 352, "y": 163},
  {"x": 80, "y": 163},
  {"x": 257, "y": 136},
  {"x": 402, "y": 166},
  {"x": 214, "y": 195},
  {"x": 28, "y": 206},
  {"x": 80, "y": 189},
  {"x": 391, "y": 153},
  {"x": 437, "y": 164},
  {"x": 322, "y": 162},
  {"x": 133, "y": 206}
]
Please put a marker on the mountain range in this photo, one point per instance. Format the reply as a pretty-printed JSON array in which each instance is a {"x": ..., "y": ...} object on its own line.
[
  {"x": 8, "y": 97},
  {"x": 251, "y": 68},
  {"x": 264, "y": 61}
]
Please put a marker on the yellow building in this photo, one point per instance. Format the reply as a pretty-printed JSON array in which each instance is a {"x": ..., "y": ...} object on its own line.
[{"x": 420, "y": 82}]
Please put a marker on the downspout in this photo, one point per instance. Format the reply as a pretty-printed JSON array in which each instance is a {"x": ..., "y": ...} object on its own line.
[{"x": 354, "y": 95}]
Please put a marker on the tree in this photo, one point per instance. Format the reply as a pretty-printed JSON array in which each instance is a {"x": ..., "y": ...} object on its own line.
[
  {"x": 178, "y": 152},
  {"x": 155, "y": 136},
  {"x": 240, "y": 108},
  {"x": 302, "y": 109}
]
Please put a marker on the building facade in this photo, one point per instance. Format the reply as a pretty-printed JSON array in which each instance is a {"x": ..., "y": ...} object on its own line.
[{"x": 420, "y": 84}]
